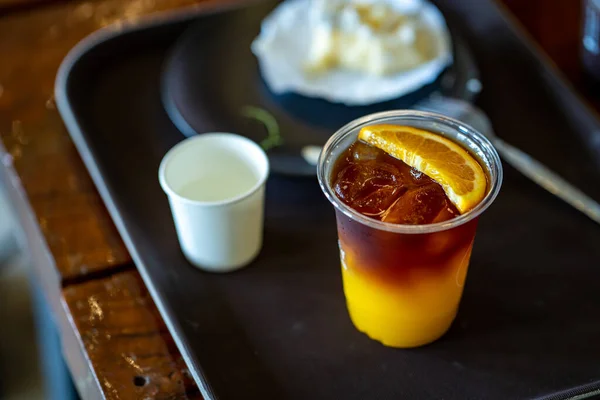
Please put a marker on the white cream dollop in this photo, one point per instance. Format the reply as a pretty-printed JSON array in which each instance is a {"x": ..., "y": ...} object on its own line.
[{"x": 373, "y": 38}]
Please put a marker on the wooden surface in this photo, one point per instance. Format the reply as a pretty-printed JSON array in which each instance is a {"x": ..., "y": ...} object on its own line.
[
  {"x": 6, "y": 4},
  {"x": 116, "y": 312},
  {"x": 114, "y": 339}
]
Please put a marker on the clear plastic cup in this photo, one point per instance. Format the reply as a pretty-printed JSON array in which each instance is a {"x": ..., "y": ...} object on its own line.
[{"x": 403, "y": 283}]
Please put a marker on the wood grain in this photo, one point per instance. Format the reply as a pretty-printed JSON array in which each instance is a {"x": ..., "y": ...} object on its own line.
[
  {"x": 128, "y": 351},
  {"x": 117, "y": 313},
  {"x": 5, "y": 5},
  {"x": 123, "y": 340}
]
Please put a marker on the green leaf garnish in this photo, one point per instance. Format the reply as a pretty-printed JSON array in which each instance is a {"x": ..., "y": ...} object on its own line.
[{"x": 273, "y": 138}]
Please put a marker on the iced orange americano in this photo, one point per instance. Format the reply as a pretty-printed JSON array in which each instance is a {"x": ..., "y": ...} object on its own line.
[{"x": 408, "y": 188}]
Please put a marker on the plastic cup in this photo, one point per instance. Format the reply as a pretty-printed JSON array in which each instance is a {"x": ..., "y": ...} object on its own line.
[
  {"x": 215, "y": 184},
  {"x": 403, "y": 283}
]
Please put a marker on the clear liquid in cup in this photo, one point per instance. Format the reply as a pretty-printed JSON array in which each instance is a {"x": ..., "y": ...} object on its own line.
[{"x": 221, "y": 182}]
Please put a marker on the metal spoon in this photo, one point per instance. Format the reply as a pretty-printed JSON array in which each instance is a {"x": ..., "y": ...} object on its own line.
[{"x": 529, "y": 167}]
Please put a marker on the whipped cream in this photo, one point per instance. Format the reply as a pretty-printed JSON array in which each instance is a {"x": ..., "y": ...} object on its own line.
[{"x": 373, "y": 38}]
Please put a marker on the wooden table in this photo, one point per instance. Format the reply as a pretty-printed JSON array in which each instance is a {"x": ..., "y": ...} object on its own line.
[{"x": 114, "y": 339}]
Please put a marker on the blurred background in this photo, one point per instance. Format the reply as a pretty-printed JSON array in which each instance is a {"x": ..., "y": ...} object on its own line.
[{"x": 20, "y": 376}]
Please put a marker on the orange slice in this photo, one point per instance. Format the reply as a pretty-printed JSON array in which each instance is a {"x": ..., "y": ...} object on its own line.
[{"x": 444, "y": 161}]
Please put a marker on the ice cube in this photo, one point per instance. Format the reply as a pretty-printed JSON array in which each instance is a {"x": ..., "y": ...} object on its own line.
[
  {"x": 364, "y": 152},
  {"x": 416, "y": 206},
  {"x": 447, "y": 212},
  {"x": 369, "y": 187}
]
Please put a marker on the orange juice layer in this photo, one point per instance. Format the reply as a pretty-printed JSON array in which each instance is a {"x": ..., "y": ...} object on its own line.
[{"x": 405, "y": 315}]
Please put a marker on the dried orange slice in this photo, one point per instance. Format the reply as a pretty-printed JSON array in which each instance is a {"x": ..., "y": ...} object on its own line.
[{"x": 444, "y": 161}]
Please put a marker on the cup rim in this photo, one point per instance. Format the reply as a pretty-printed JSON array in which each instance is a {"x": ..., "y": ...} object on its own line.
[
  {"x": 495, "y": 172},
  {"x": 179, "y": 147}
]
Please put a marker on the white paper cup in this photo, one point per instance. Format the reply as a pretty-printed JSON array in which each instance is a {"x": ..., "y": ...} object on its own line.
[{"x": 215, "y": 183}]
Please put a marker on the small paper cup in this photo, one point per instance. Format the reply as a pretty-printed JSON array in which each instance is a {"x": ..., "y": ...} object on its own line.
[{"x": 215, "y": 183}]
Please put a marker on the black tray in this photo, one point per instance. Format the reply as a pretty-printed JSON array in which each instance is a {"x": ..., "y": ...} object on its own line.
[{"x": 528, "y": 325}]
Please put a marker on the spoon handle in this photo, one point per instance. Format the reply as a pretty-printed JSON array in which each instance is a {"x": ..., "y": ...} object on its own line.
[{"x": 547, "y": 179}]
